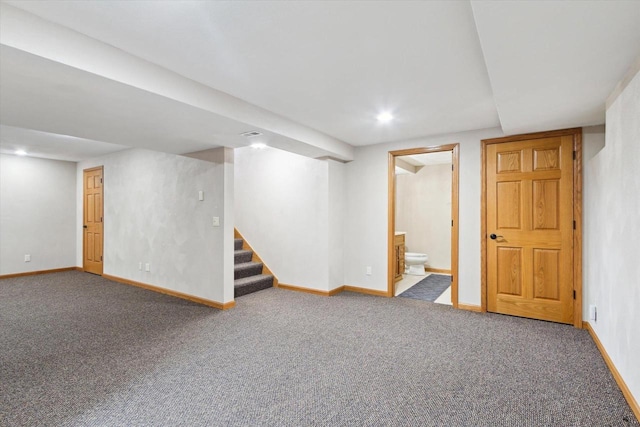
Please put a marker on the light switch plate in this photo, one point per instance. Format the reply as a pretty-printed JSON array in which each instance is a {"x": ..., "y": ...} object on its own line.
[
  {"x": 216, "y": 221},
  {"x": 201, "y": 195}
]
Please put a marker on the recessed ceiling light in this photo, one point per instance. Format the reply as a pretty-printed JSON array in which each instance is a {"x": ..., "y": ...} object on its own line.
[
  {"x": 21, "y": 153},
  {"x": 258, "y": 145},
  {"x": 384, "y": 117}
]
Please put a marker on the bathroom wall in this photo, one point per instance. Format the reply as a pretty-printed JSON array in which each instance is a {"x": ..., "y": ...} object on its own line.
[
  {"x": 423, "y": 210},
  {"x": 37, "y": 214}
]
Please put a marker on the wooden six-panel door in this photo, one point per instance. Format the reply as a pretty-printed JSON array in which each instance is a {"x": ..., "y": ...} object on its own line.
[
  {"x": 93, "y": 220},
  {"x": 529, "y": 202}
]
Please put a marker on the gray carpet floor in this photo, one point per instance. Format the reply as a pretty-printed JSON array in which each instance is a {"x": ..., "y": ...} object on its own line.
[
  {"x": 78, "y": 350},
  {"x": 429, "y": 288}
]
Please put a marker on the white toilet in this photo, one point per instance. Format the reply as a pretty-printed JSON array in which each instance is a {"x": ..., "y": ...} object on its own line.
[{"x": 415, "y": 263}]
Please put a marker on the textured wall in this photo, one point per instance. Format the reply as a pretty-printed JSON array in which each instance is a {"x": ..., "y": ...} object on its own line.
[
  {"x": 152, "y": 214},
  {"x": 37, "y": 214},
  {"x": 281, "y": 208},
  {"x": 612, "y": 235},
  {"x": 593, "y": 140},
  {"x": 336, "y": 212},
  {"x": 366, "y": 220},
  {"x": 423, "y": 210}
]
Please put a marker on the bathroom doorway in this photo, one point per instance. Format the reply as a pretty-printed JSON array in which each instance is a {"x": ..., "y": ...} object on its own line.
[{"x": 423, "y": 223}]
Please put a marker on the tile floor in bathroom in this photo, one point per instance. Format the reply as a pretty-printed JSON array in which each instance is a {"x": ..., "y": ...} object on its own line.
[{"x": 408, "y": 280}]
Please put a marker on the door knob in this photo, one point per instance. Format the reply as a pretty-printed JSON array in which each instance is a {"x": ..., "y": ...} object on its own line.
[
  {"x": 84, "y": 226},
  {"x": 493, "y": 236}
]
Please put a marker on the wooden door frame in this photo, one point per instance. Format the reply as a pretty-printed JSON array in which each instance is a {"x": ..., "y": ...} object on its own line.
[
  {"x": 454, "y": 148},
  {"x": 84, "y": 236},
  {"x": 577, "y": 213}
]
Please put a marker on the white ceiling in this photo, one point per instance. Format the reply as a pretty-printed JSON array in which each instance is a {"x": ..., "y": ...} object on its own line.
[
  {"x": 552, "y": 64},
  {"x": 52, "y": 98},
  {"x": 439, "y": 66},
  {"x": 51, "y": 146},
  {"x": 41, "y": 94}
]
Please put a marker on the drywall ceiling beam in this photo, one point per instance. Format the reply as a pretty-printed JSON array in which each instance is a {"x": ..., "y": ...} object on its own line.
[
  {"x": 29, "y": 33},
  {"x": 406, "y": 166}
]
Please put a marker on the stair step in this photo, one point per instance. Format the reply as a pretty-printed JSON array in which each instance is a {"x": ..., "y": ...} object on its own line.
[
  {"x": 242, "y": 256},
  {"x": 247, "y": 269},
  {"x": 237, "y": 244},
  {"x": 252, "y": 284}
]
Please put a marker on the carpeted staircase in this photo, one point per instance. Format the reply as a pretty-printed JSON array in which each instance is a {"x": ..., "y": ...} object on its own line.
[{"x": 247, "y": 273}]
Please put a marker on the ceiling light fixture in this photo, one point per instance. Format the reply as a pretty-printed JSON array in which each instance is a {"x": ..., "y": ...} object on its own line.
[
  {"x": 258, "y": 145},
  {"x": 384, "y": 117},
  {"x": 21, "y": 153}
]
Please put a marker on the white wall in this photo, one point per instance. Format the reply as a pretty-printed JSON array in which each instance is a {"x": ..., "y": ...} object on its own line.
[
  {"x": 37, "y": 214},
  {"x": 224, "y": 156},
  {"x": 423, "y": 211},
  {"x": 289, "y": 208},
  {"x": 367, "y": 218},
  {"x": 336, "y": 212},
  {"x": 593, "y": 140},
  {"x": 612, "y": 235},
  {"x": 152, "y": 215}
]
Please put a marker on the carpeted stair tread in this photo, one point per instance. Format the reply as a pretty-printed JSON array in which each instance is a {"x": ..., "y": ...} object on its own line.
[
  {"x": 247, "y": 274},
  {"x": 252, "y": 284},
  {"x": 242, "y": 256},
  {"x": 247, "y": 269}
]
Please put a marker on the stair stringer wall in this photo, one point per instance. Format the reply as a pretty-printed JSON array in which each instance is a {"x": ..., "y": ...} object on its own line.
[{"x": 290, "y": 208}]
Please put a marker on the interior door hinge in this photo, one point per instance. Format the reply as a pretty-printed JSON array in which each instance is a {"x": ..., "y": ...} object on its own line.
[
  {"x": 574, "y": 294},
  {"x": 451, "y": 167},
  {"x": 452, "y": 277},
  {"x": 574, "y": 154},
  {"x": 452, "y": 223},
  {"x": 100, "y": 257},
  {"x": 574, "y": 224},
  {"x": 573, "y": 157}
]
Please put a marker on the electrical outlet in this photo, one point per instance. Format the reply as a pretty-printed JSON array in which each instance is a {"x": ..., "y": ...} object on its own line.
[
  {"x": 201, "y": 195},
  {"x": 147, "y": 267},
  {"x": 593, "y": 313},
  {"x": 368, "y": 270},
  {"x": 27, "y": 258}
]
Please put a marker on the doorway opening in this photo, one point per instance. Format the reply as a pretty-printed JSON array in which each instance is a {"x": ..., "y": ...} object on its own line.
[{"x": 423, "y": 223}]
